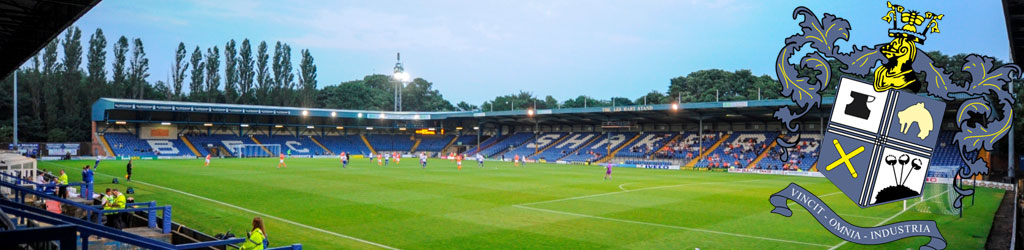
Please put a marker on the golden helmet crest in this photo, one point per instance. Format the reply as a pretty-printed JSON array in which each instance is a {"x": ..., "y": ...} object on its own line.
[{"x": 911, "y": 20}]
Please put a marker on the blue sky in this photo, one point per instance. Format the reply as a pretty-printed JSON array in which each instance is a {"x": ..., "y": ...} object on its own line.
[{"x": 475, "y": 50}]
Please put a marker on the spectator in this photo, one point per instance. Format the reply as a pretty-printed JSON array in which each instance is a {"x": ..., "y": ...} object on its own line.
[
  {"x": 62, "y": 190},
  {"x": 87, "y": 179},
  {"x": 256, "y": 238},
  {"x": 128, "y": 168}
]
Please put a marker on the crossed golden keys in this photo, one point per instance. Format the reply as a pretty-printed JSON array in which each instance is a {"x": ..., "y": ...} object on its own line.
[{"x": 844, "y": 158}]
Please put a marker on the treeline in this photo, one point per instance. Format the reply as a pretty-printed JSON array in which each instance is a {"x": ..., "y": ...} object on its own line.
[
  {"x": 56, "y": 91},
  {"x": 700, "y": 86},
  {"x": 55, "y": 94}
]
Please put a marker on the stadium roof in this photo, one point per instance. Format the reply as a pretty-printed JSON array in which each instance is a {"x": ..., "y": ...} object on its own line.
[
  {"x": 734, "y": 111},
  {"x": 26, "y": 26},
  {"x": 1014, "y": 12}
]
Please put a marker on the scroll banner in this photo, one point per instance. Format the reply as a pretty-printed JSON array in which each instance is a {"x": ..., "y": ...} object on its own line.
[{"x": 843, "y": 229}]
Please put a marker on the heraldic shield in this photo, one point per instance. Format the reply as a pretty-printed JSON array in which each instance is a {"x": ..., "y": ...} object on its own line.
[{"x": 878, "y": 144}]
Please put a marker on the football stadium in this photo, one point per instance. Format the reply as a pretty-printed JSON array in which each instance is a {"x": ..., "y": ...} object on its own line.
[{"x": 371, "y": 164}]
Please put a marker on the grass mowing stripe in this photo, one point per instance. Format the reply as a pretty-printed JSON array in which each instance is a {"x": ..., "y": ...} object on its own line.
[
  {"x": 893, "y": 216},
  {"x": 257, "y": 213},
  {"x": 627, "y": 191},
  {"x": 670, "y": 226},
  {"x": 791, "y": 203}
]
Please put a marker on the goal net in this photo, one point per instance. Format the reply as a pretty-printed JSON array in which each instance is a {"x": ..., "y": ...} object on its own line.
[
  {"x": 938, "y": 194},
  {"x": 256, "y": 150}
]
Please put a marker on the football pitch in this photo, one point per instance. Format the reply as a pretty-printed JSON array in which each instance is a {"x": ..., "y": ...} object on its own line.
[{"x": 539, "y": 206}]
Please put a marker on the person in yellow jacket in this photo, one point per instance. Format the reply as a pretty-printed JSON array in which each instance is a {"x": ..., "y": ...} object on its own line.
[
  {"x": 62, "y": 191},
  {"x": 255, "y": 238}
]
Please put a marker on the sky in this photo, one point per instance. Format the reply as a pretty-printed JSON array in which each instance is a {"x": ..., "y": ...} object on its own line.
[{"x": 475, "y": 50}]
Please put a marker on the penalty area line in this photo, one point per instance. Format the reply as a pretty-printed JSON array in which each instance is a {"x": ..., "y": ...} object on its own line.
[
  {"x": 671, "y": 226},
  {"x": 893, "y": 217},
  {"x": 260, "y": 214}
]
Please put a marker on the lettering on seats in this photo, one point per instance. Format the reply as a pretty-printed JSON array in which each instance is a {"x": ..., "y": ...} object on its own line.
[
  {"x": 575, "y": 141},
  {"x": 292, "y": 145},
  {"x": 164, "y": 147},
  {"x": 615, "y": 141}
]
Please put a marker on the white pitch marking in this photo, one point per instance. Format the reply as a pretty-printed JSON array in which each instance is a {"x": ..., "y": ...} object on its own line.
[
  {"x": 623, "y": 184},
  {"x": 262, "y": 214},
  {"x": 669, "y": 226},
  {"x": 892, "y": 217}
]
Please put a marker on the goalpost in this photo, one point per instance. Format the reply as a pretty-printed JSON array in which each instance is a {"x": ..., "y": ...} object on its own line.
[
  {"x": 256, "y": 150},
  {"x": 938, "y": 194}
]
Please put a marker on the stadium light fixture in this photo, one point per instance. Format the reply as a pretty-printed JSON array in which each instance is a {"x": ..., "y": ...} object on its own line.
[
  {"x": 675, "y": 106},
  {"x": 305, "y": 112},
  {"x": 207, "y": 124},
  {"x": 120, "y": 122},
  {"x": 245, "y": 125},
  {"x": 529, "y": 112},
  {"x": 165, "y": 123},
  {"x": 310, "y": 127},
  {"x": 278, "y": 126},
  {"x": 360, "y": 115},
  {"x": 333, "y": 114},
  {"x": 476, "y": 128}
]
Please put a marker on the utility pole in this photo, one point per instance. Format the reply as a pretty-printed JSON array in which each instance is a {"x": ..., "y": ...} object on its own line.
[{"x": 15, "y": 112}]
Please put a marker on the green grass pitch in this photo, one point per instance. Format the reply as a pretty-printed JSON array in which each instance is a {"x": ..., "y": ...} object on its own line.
[{"x": 540, "y": 206}]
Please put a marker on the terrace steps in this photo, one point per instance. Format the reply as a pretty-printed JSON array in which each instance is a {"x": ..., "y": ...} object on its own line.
[
  {"x": 618, "y": 148},
  {"x": 361, "y": 136},
  {"x": 546, "y": 147},
  {"x": 106, "y": 146},
  {"x": 753, "y": 164},
  {"x": 584, "y": 145},
  {"x": 446, "y": 146},
  {"x": 708, "y": 150},
  {"x": 191, "y": 147},
  {"x": 415, "y": 145},
  {"x": 484, "y": 144},
  {"x": 261, "y": 145},
  {"x": 513, "y": 147},
  {"x": 321, "y": 145},
  {"x": 670, "y": 141}
]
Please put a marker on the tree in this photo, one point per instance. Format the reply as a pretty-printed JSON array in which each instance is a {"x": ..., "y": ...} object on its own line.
[
  {"x": 196, "y": 91},
  {"x": 262, "y": 74},
  {"x": 212, "y": 74},
  {"x": 420, "y": 95},
  {"x": 97, "y": 60},
  {"x": 275, "y": 89},
  {"x": 178, "y": 70},
  {"x": 69, "y": 85},
  {"x": 522, "y": 100},
  {"x": 286, "y": 85},
  {"x": 139, "y": 69},
  {"x": 230, "y": 72},
  {"x": 621, "y": 101},
  {"x": 162, "y": 90},
  {"x": 583, "y": 102},
  {"x": 119, "y": 70},
  {"x": 653, "y": 97},
  {"x": 463, "y": 106},
  {"x": 48, "y": 83},
  {"x": 353, "y": 95},
  {"x": 307, "y": 79},
  {"x": 245, "y": 73}
]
